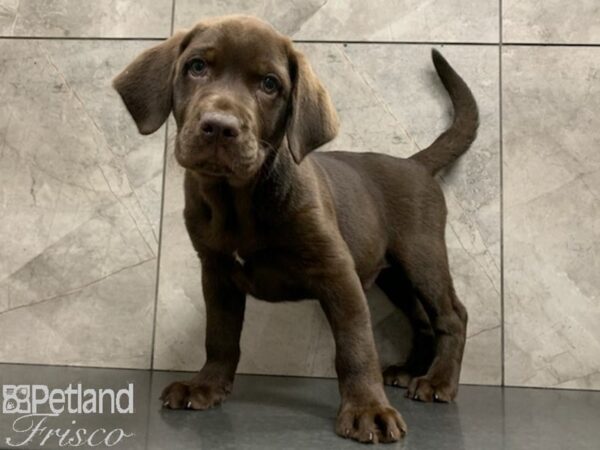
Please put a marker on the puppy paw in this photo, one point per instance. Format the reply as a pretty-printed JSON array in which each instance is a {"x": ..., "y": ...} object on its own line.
[
  {"x": 425, "y": 389},
  {"x": 370, "y": 424},
  {"x": 397, "y": 376},
  {"x": 193, "y": 395}
]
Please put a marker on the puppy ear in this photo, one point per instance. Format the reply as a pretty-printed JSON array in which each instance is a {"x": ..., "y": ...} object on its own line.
[
  {"x": 313, "y": 120},
  {"x": 146, "y": 85}
]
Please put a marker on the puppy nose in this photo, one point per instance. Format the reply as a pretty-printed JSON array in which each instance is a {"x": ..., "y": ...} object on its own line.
[{"x": 214, "y": 125}]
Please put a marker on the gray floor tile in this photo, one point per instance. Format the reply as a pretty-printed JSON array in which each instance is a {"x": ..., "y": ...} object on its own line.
[
  {"x": 80, "y": 208},
  {"x": 85, "y": 18},
  {"x": 551, "y": 21},
  {"x": 356, "y": 20},
  {"x": 298, "y": 413},
  {"x": 551, "y": 98}
]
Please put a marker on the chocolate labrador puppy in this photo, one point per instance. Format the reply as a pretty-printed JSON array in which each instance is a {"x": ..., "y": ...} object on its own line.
[{"x": 271, "y": 219}]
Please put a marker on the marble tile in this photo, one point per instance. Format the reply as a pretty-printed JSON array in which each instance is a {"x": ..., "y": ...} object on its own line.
[
  {"x": 389, "y": 100},
  {"x": 551, "y": 21},
  {"x": 552, "y": 216},
  {"x": 80, "y": 202},
  {"x": 356, "y": 20},
  {"x": 89, "y": 18}
]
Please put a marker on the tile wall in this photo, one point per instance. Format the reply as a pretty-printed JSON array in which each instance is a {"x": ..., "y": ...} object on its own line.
[{"x": 96, "y": 268}]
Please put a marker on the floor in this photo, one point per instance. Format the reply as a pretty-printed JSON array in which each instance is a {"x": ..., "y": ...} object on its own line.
[{"x": 267, "y": 412}]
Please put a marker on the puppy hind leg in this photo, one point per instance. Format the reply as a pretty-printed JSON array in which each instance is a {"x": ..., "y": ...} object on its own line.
[
  {"x": 426, "y": 265},
  {"x": 398, "y": 288},
  {"x": 440, "y": 383}
]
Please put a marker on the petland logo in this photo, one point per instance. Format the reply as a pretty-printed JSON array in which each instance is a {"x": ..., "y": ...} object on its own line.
[{"x": 37, "y": 405}]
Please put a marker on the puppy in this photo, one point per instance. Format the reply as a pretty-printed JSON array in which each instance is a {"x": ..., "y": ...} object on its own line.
[{"x": 271, "y": 219}]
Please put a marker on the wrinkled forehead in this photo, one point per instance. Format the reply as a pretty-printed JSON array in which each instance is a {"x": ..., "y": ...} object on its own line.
[{"x": 242, "y": 40}]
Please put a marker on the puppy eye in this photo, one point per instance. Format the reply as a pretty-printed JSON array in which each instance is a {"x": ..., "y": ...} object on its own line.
[
  {"x": 270, "y": 84},
  {"x": 196, "y": 67}
]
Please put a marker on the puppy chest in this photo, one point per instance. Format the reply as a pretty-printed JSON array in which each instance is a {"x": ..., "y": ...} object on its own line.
[{"x": 269, "y": 276}]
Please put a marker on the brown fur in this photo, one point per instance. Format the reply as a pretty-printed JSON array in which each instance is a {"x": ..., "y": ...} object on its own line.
[{"x": 271, "y": 220}]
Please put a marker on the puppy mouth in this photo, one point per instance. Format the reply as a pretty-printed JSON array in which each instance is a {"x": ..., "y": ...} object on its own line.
[
  {"x": 212, "y": 169},
  {"x": 218, "y": 161}
]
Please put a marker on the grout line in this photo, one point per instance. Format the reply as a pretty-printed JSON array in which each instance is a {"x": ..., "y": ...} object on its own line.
[
  {"x": 160, "y": 232},
  {"x": 502, "y": 406},
  {"x": 341, "y": 41},
  {"x": 306, "y": 41},
  {"x": 501, "y": 151},
  {"x": 73, "y": 366},
  {"x": 548, "y": 44},
  {"x": 173, "y": 16},
  {"x": 149, "y": 409},
  {"x": 298, "y": 41},
  {"x": 82, "y": 38}
]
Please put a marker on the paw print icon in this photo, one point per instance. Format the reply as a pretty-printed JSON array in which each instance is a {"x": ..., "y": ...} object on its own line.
[{"x": 16, "y": 399}]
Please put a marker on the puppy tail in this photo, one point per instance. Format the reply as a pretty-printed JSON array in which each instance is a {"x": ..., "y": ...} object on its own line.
[{"x": 458, "y": 138}]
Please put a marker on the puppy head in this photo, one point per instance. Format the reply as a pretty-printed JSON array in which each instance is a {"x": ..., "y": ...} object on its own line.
[{"x": 236, "y": 88}]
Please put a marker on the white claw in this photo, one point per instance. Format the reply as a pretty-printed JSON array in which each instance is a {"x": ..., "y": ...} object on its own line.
[
  {"x": 189, "y": 405},
  {"x": 166, "y": 403},
  {"x": 370, "y": 436}
]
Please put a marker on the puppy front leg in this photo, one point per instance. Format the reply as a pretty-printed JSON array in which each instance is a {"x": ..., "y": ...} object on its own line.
[
  {"x": 225, "y": 306},
  {"x": 365, "y": 413}
]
